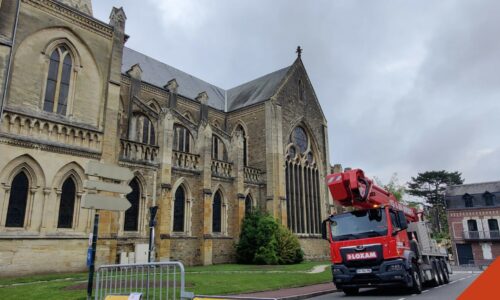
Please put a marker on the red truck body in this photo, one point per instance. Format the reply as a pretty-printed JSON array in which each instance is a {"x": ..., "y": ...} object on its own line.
[{"x": 371, "y": 246}]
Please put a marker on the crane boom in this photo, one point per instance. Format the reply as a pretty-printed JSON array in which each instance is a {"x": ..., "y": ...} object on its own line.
[{"x": 353, "y": 188}]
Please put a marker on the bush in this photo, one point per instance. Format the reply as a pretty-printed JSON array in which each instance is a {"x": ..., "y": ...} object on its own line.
[{"x": 265, "y": 241}]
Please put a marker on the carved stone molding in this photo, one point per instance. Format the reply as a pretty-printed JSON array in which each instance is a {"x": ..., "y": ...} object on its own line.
[{"x": 74, "y": 16}]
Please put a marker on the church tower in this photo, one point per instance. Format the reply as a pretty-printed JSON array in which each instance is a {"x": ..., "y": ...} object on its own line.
[{"x": 84, "y": 6}]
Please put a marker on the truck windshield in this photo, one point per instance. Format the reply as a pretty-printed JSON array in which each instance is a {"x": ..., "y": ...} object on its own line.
[{"x": 359, "y": 224}]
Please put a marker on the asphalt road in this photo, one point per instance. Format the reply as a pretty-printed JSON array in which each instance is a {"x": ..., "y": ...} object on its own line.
[{"x": 458, "y": 283}]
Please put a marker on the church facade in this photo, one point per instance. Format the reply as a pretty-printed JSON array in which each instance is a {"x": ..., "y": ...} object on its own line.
[{"x": 71, "y": 91}]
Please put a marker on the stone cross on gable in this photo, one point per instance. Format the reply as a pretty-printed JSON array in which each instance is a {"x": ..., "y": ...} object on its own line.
[{"x": 299, "y": 51}]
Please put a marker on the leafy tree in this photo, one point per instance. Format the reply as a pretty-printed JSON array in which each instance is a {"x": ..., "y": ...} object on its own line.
[
  {"x": 393, "y": 186},
  {"x": 265, "y": 241},
  {"x": 431, "y": 186}
]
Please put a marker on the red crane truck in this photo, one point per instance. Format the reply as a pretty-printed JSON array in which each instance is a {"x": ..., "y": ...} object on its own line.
[{"x": 381, "y": 243}]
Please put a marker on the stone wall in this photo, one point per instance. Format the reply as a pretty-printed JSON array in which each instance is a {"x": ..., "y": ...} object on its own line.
[
  {"x": 223, "y": 251},
  {"x": 30, "y": 256},
  {"x": 315, "y": 248}
]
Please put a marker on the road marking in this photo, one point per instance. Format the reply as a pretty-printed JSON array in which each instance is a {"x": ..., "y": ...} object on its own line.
[
  {"x": 425, "y": 291},
  {"x": 453, "y": 281},
  {"x": 401, "y": 298},
  {"x": 461, "y": 279}
]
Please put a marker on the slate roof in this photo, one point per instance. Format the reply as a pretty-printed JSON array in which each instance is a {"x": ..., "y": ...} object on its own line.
[
  {"x": 158, "y": 74},
  {"x": 473, "y": 188},
  {"x": 255, "y": 91}
]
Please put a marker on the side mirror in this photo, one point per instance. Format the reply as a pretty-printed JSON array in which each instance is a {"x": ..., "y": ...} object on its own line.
[
  {"x": 324, "y": 232},
  {"x": 403, "y": 223}
]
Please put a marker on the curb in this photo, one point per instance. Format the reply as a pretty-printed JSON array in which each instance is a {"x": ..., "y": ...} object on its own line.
[
  {"x": 310, "y": 295},
  {"x": 293, "y": 297}
]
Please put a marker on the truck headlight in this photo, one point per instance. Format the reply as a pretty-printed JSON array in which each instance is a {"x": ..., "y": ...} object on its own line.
[{"x": 396, "y": 267}]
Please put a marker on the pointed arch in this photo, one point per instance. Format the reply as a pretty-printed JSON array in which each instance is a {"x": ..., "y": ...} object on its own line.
[
  {"x": 181, "y": 212},
  {"x": 313, "y": 143},
  {"x": 18, "y": 200},
  {"x": 25, "y": 162},
  {"x": 68, "y": 194},
  {"x": 67, "y": 201},
  {"x": 63, "y": 61},
  {"x": 183, "y": 139},
  {"x": 143, "y": 129},
  {"x": 242, "y": 129},
  {"x": 131, "y": 221},
  {"x": 249, "y": 205},
  {"x": 219, "y": 148},
  {"x": 154, "y": 105},
  {"x": 219, "y": 210},
  {"x": 70, "y": 169},
  {"x": 302, "y": 178}
]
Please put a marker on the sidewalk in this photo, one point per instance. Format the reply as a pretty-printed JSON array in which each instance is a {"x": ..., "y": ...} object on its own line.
[{"x": 291, "y": 293}]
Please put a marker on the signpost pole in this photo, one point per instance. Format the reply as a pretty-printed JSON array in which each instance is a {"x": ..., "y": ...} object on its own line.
[{"x": 92, "y": 260}]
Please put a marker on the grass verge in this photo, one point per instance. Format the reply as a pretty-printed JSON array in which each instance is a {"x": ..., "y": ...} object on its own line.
[{"x": 206, "y": 280}]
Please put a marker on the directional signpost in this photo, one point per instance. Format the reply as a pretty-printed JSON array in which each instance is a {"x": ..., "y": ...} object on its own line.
[{"x": 111, "y": 180}]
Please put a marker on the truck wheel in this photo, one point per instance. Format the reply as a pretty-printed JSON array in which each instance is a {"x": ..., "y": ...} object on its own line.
[
  {"x": 416, "y": 279},
  {"x": 351, "y": 291},
  {"x": 436, "y": 280},
  {"x": 444, "y": 272}
]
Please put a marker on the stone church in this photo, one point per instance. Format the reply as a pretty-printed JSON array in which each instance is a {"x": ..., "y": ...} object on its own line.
[{"x": 71, "y": 91}]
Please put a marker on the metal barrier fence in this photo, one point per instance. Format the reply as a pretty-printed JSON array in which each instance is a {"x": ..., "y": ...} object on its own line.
[{"x": 163, "y": 280}]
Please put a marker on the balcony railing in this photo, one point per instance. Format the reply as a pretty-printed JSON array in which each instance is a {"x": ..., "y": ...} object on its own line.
[
  {"x": 185, "y": 161},
  {"x": 138, "y": 152},
  {"x": 252, "y": 175},
  {"x": 221, "y": 168},
  {"x": 482, "y": 235}
]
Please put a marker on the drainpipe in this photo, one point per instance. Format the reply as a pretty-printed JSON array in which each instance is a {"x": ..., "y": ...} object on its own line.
[{"x": 9, "y": 64}]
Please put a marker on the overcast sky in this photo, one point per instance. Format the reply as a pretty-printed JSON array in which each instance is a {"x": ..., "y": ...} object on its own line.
[{"x": 406, "y": 86}]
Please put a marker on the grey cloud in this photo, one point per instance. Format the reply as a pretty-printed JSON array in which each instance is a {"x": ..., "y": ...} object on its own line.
[{"x": 406, "y": 86}]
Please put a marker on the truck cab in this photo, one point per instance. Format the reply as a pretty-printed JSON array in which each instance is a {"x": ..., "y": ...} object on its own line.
[{"x": 369, "y": 248}]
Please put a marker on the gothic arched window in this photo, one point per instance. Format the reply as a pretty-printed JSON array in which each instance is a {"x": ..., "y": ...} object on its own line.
[
  {"x": 179, "y": 209},
  {"x": 67, "y": 204},
  {"x": 302, "y": 185},
  {"x": 218, "y": 149},
  {"x": 144, "y": 129},
  {"x": 217, "y": 212},
  {"x": 58, "y": 81},
  {"x": 17, "y": 201},
  {"x": 245, "y": 145},
  {"x": 183, "y": 140},
  {"x": 248, "y": 205},
  {"x": 132, "y": 214}
]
